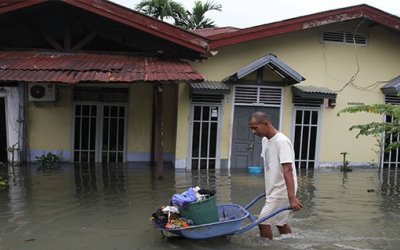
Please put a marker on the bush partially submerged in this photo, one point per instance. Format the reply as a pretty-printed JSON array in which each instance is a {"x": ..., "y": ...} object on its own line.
[{"x": 48, "y": 160}]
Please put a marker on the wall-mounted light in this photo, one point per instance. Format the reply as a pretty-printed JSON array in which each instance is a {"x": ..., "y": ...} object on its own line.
[
  {"x": 332, "y": 103},
  {"x": 329, "y": 103}
]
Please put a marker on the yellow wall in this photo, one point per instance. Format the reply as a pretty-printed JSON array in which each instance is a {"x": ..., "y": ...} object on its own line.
[
  {"x": 322, "y": 64},
  {"x": 48, "y": 126},
  {"x": 182, "y": 128},
  {"x": 139, "y": 119},
  {"x": 226, "y": 126}
]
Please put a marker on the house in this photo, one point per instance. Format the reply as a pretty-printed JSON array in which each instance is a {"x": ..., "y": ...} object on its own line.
[
  {"x": 97, "y": 82},
  {"x": 91, "y": 81},
  {"x": 303, "y": 71}
]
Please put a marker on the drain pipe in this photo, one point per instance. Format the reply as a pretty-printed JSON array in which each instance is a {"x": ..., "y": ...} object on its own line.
[{"x": 21, "y": 123}]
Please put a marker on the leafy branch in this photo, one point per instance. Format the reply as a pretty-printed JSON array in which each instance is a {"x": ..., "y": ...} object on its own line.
[
  {"x": 377, "y": 128},
  {"x": 382, "y": 109},
  {"x": 48, "y": 160}
]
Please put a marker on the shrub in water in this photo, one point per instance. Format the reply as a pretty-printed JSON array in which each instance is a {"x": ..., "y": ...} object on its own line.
[{"x": 48, "y": 160}]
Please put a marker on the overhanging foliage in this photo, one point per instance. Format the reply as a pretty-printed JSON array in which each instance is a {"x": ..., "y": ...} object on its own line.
[{"x": 377, "y": 128}]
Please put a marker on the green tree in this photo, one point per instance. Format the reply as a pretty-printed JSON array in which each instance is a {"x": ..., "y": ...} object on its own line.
[
  {"x": 162, "y": 9},
  {"x": 196, "y": 19},
  {"x": 377, "y": 128}
]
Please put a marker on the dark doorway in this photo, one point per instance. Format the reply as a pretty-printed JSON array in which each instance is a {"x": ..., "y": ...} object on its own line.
[
  {"x": 3, "y": 130},
  {"x": 246, "y": 147}
]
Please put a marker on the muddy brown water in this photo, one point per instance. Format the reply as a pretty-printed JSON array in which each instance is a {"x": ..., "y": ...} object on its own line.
[{"x": 109, "y": 206}]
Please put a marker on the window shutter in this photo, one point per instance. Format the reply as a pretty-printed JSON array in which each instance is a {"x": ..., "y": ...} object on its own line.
[
  {"x": 197, "y": 98},
  {"x": 392, "y": 99},
  {"x": 259, "y": 95}
]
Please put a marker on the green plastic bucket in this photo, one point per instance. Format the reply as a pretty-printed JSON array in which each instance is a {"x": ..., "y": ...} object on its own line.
[{"x": 201, "y": 212}]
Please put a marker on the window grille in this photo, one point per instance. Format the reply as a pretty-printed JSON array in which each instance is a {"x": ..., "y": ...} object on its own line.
[
  {"x": 306, "y": 137},
  {"x": 205, "y": 134}
]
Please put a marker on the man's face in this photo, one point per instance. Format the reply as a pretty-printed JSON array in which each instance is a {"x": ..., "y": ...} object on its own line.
[{"x": 258, "y": 129}]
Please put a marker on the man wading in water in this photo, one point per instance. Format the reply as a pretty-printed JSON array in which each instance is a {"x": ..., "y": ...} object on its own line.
[{"x": 280, "y": 174}]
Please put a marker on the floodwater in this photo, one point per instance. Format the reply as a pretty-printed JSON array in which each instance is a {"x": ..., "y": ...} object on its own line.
[{"x": 108, "y": 207}]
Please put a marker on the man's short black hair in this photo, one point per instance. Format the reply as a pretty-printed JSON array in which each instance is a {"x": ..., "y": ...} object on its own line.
[{"x": 259, "y": 117}]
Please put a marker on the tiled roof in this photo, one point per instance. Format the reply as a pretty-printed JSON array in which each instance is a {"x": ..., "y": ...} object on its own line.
[
  {"x": 31, "y": 66},
  {"x": 207, "y": 32}
]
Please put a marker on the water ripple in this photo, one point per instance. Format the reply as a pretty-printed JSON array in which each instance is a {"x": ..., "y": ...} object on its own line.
[{"x": 108, "y": 207}]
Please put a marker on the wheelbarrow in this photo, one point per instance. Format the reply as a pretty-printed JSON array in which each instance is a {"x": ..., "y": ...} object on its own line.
[{"x": 231, "y": 217}]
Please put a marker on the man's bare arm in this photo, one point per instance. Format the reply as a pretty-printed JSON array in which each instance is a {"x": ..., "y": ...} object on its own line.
[{"x": 289, "y": 180}]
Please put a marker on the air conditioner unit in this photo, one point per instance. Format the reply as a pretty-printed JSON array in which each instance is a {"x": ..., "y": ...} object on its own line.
[{"x": 42, "y": 92}]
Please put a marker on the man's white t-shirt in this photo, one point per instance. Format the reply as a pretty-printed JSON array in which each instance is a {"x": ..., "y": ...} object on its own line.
[{"x": 276, "y": 151}]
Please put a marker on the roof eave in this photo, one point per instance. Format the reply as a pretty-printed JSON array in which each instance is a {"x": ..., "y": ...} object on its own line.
[
  {"x": 292, "y": 77},
  {"x": 72, "y": 68},
  {"x": 147, "y": 24},
  {"x": 390, "y": 91},
  {"x": 124, "y": 16},
  {"x": 313, "y": 95},
  {"x": 392, "y": 87},
  {"x": 305, "y": 22},
  {"x": 9, "y": 6}
]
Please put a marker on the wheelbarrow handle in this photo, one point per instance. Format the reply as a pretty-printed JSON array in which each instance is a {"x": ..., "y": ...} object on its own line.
[
  {"x": 260, "y": 220},
  {"x": 251, "y": 203}
]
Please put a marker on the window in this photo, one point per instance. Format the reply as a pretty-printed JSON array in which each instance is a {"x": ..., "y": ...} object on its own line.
[
  {"x": 100, "y": 116},
  {"x": 344, "y": 37},
  {"x": 205, "y": 123},
  {"x": 306, "y": 136}
]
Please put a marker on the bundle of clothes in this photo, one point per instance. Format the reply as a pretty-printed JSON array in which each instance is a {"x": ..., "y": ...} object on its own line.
[{"x": 169, "y": 216}]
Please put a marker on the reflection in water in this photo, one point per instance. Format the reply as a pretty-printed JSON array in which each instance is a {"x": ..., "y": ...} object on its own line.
[
  {"x": 306, "y": 189},
  {"x": 17, "y": 198},
  {"x": 389, "y": 187},
  {"x": 85, "y": 178},
  {"x": 107, "y": 207},
  {"x": 90, "y": 178},
  {"x": 113, "y": 178}
]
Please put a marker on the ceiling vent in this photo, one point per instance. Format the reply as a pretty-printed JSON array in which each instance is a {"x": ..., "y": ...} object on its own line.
[
  {"x": 42, "y": 92},
  {"x": 344, "y": 37}
]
